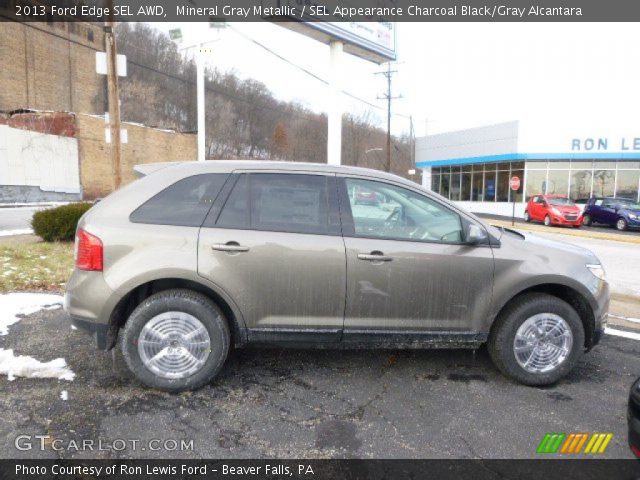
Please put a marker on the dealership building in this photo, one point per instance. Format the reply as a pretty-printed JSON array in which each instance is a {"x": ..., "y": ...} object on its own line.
[{"x": 575, "y": 158}]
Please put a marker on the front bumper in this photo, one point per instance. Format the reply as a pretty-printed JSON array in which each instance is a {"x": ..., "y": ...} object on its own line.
[
  {"x": 561, "y": 220},
  {"x": 631, "y": 223}
]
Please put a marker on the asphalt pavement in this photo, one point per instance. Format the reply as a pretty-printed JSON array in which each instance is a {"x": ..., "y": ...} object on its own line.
[{"x": 310, "y": 404}]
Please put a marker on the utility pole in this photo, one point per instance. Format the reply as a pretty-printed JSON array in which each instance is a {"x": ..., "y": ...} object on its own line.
[
  {"x": 388, "y": 97},
  {"x": 114, "y": 95}
]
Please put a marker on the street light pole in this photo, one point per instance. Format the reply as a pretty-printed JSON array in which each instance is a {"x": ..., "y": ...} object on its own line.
[
  {"x": 176, "y": 36},
  {"x": 200, "y": 104}
]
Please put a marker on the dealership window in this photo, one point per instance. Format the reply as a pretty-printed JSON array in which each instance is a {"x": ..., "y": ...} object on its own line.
[
  {"x": 445, "y": 181},
  {"x": 466, "y": 183},
  {"x": 558, "y": 182},
  {"x": 580, "y": 186},
  {"x": 490, "y": 184},
  {"x": 477, "y": 187},
  {"x": 628, "y": 165},
  {"x": 536, "y": 183},
  {"x": 604, "y": 183},
  {"x": 579, "y": 180},
  {"x": 502, "y": 183},
  {"x": 435, "y": 182},
  {"x": 517, "y": 193},
  {"x": 627, "y": 184},
  {"x": 455, "y": 184}
]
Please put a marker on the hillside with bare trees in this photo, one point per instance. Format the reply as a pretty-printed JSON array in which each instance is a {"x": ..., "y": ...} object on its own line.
[{"x": 243, "y": 118}]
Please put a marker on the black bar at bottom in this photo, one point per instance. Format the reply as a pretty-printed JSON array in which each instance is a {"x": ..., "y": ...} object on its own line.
[{"x": 546, "y": 469}]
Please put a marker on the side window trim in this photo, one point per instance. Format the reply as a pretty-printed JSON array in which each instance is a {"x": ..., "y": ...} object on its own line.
[{"x": 221, "y": 201}]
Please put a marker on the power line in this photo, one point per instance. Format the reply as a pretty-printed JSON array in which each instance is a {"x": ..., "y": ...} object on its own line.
[
  {"x": 308, "y": 72},
  {"x": 388, "y": 97}
]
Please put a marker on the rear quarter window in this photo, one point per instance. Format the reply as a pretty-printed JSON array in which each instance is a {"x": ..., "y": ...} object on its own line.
[{"x": 185, "y": 203}]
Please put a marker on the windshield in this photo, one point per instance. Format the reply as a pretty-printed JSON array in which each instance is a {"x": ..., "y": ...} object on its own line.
[{"x": 560, "y": 202}]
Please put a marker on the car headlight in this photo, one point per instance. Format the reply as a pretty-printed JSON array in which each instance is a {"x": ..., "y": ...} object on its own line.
[
  {"x": 555, "y": 211},
  {"x": 597, "y": 271},
  {"x": 633, "y": 217}
]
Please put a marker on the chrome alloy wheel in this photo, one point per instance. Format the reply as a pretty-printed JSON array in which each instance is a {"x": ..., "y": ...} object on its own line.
[
  {"x": 542, "y": 342},
  {"x": 174, "y": 345}
]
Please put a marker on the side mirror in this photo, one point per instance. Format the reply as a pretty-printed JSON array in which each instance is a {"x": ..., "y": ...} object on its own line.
[{"x": 475, "y": 235}]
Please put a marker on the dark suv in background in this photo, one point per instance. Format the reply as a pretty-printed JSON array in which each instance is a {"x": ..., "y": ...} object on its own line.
[
  {"x": 619, "y": 212},
  {"x": 199, "y": 257}
]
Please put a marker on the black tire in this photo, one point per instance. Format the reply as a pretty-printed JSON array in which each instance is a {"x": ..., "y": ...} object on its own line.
[
  {"x": 181, "y": 300},
  {"x": 621, "y": 224},
  {"x": 503, "y": 332},
  {"x": 527, "y": 217},
  {"x": 586, "y": 220},
  {"x": 547, "y": 221}
]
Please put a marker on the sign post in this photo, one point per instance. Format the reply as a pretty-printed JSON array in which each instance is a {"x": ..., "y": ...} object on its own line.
[{"x": 514, "y": 183}]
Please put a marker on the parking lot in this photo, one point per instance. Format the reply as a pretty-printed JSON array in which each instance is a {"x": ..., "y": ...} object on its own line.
[
  {"x": 322, "y": 403},
  {"x": 289, "y": 403}
]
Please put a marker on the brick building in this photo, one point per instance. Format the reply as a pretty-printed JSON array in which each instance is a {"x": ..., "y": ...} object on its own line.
[
  {"x": 59, "y": 156},
  {"x": 52, "y": 128},
  {"x": 51, "y": 66}
]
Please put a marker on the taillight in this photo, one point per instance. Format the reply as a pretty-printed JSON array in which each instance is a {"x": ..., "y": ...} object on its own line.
[
  {"x": 88, "y": 251},
  {"x": 635, "y": 450}
]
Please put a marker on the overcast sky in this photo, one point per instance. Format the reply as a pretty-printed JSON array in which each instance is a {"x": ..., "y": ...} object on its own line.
[{"x": 453, "y": 75}]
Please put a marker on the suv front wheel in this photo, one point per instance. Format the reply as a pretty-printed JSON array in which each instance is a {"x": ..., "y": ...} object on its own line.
[
  {"x": 537, "y": 339},
  {"x": 175, "y": 340}
]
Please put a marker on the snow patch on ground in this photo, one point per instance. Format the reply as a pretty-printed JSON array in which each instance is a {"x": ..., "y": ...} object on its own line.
[
  {"x": 11, "y": 233},
  {"x": 64, "y": 395},
  {"x": 24, "y": 366},
  {"x": 13, "y": 306}
]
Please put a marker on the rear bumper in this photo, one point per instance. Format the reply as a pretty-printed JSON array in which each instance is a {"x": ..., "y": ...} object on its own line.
[{"x": 89, "y": 302}]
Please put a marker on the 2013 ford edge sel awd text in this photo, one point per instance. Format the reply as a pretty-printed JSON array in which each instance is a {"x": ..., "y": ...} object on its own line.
[{"x": 198, "y": 257}]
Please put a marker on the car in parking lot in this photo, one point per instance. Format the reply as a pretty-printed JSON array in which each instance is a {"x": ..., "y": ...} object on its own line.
[
  {"x": 553, "y": 210},
  {"x": 621, "y": 213},
  {"x": 633, "y": 418},
  {"x": 366, "y": 197},
  {"x": 197, "y": 258}
]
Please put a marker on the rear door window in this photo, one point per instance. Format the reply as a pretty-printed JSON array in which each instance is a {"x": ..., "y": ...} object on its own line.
[
  {"x": 185, "y": 203},
  {"x": 276, "y": 202}
]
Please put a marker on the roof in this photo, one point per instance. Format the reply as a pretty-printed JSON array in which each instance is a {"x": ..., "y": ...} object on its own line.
[{"x": 231, "y": 165}]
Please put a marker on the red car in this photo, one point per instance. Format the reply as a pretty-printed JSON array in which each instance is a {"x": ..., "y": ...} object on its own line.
[
  {"x": 366, "y": 197},
  {"x": 553, "y": 210}
]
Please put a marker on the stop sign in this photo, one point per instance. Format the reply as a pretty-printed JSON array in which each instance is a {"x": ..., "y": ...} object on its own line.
[{"x": 515, "y": 183}]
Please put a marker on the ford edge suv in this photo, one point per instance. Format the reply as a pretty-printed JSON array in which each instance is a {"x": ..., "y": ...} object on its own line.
[{"x": 197, "y": 258}]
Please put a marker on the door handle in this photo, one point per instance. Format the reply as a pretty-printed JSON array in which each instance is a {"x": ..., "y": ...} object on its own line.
[
  {"x": 375, "y": 256},
  {"x": 229, "y": 247}
]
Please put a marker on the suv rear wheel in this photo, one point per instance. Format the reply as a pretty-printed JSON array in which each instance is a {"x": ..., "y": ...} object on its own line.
[
  {"x": 537, "y": 339},
  {"x": 175, "y": 340}
]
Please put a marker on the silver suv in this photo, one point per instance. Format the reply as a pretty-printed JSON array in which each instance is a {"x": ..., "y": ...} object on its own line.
[{"x": 197, "y": 257}]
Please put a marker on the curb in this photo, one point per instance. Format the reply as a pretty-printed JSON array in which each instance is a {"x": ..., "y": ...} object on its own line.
[
  {"x": 33, "y": 205},
  {"x": 573, "y": 232}
]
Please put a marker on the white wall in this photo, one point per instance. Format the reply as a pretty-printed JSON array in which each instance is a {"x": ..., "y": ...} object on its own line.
[
  {"x": 475, "y": 142},
  {"x": 49, "y": 162}
]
